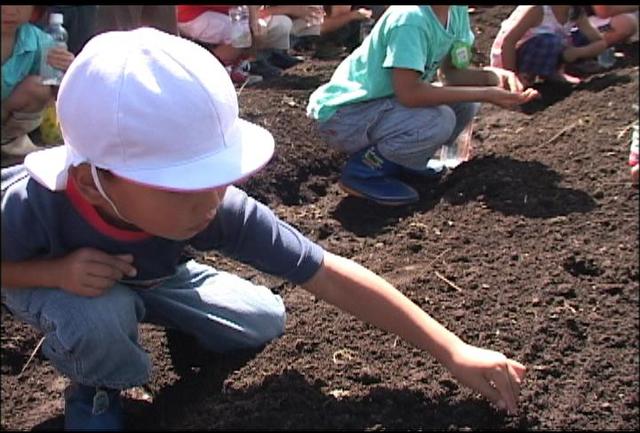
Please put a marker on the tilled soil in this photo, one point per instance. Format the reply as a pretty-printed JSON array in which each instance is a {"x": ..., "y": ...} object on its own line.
[{"x": 538, "y": 235}]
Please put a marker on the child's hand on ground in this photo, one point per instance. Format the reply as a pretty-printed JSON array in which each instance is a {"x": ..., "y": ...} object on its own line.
[
  {"x": 60, "y": 58},
  {"x": 90, "y": 272},
  {"x": 491, "y": 373}
]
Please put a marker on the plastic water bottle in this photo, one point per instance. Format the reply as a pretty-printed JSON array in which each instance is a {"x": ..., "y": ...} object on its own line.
[
  {"x": 607, "y": 58},
  {"x": 365, "y": 28},
  {"x": 50, "y": 75},
  {"x": 459, "y": 151},
  {"x": 240, "y": 28}
]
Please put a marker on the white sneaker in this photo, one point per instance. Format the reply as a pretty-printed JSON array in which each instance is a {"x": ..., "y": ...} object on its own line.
[{"x": 20, "y": 146}]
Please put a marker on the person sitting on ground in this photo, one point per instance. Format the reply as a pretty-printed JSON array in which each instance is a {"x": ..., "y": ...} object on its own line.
[
  {"x": 93, "y": 232},
  {"x": 537, "y": 42},
  {"x": 341, "y": 29},
  {"x": 382, "y": 109},
  {"x": 618, "y": 23},
  {"x": 24, "y": 97},
  {"x": 211, "y": 26},
  {"x": 129, "y": 17},
  {"x": 305, "y": 23}
]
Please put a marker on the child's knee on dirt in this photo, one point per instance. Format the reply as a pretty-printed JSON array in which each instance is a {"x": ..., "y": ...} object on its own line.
[{"x": 30, "y": 95}]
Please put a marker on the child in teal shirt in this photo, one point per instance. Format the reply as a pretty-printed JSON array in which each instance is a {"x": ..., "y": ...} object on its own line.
[
  {"x": 23, "y": 95},
  {"x": 381, "y": 106}
]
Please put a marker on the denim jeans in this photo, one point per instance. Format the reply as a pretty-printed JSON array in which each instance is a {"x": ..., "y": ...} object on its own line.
[
  {"x": 407, "y": 136},
  {"x": 94, "y": 341}
]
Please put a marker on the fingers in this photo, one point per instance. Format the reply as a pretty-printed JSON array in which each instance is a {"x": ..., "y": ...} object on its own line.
[
  {"x": 96, "y": 286},
  {"x": 103, "y": 270},
  {"x": 514, "y": 83},
  {"x": 60, "y": 59},
  {"x": 515, "y": 380},
  {"x": 122, "y": 264},
  {"x": 519, "y": 369},
  {"x": 491, "y": 393},
  {"x": 502, "y": 383},
  {"x": 508, "y": 379}
]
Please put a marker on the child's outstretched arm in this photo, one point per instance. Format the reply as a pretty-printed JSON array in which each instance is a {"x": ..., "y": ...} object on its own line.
[
  {"x": 369, "y": 297},
  {"x": 411, "y": 91},
  {"x": 527, "y": 19}
]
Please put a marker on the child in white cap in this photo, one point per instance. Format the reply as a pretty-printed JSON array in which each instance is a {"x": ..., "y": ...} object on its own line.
[{"x": 93, "y": 231}]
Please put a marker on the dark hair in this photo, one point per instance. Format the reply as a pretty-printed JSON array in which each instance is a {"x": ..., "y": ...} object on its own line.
[
  {"x": 576, "y": 12},
  {"x": 38, "y": 14},
  {"x": 106, "y": 173}
]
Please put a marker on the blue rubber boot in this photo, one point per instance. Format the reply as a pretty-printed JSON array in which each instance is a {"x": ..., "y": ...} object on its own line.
[
  {"x": 367, "y": 174},
  {"x": 91, "y": 408}
]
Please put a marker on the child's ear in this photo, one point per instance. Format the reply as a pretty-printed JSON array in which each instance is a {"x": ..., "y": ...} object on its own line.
[{"x": 85, "y": 185}]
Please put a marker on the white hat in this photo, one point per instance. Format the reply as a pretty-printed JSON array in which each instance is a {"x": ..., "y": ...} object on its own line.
[{"x": 153, "y": 108}]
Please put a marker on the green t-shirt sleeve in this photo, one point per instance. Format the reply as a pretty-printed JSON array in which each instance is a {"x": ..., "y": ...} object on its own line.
[{"x": 406, "y": 48}]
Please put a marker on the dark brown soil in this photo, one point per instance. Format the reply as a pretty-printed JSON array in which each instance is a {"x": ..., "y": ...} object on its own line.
[{"x": 539, "y": 231}]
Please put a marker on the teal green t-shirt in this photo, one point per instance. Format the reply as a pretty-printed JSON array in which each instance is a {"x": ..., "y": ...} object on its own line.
[
  {"x": 29, "y": 45},
  {"x": 408, "y": 37}
]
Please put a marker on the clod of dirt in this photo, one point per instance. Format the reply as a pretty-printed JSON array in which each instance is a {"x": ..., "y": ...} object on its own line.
[{"x": 577, "y": 267}]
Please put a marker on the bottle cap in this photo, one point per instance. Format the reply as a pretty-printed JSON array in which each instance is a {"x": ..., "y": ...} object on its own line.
[{"x": 56, "y": 19}]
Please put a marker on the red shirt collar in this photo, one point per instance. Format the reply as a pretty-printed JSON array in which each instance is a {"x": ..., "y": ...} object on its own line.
[{"x": 89, "y": 214}]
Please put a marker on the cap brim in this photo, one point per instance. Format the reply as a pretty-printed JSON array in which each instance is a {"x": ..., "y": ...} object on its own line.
[
  {"x": 49, "y": 166},
  {"x": 249, "y": 148}
]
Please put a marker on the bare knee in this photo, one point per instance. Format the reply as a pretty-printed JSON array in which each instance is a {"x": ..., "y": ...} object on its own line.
[
  {"x": 30, "y": 95},
  {"x": 623, "y": 26}
]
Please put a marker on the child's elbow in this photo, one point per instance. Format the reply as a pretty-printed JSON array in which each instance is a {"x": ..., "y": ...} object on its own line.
[{"x": 407, "y": 98}]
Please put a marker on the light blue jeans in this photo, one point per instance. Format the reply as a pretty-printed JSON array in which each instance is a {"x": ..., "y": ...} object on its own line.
[
  {"x": 407, "y": 136},
  {"x": 94, "y": 341}
]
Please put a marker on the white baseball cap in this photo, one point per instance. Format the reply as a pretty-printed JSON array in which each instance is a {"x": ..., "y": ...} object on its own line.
[{"x": 155, "y": 109}]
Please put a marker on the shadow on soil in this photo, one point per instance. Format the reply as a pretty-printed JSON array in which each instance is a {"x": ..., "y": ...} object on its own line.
[
  {"x": 290, "y": 401},
  {"x": 552, "y": 93},
  {"x": 504, "y": 184}
]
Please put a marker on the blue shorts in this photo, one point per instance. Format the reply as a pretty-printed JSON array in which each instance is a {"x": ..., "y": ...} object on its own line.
[{"x": 579, "y": 39}]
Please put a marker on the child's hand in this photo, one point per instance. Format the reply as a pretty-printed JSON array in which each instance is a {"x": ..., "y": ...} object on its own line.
[
  {"x": 506, "y": 99},
  {"x": 506, "y": 79},
  {"x": 362, "y": 14},
  {"x": 90, "y": 272},
  {"x": 314, "y": 13},
  {"x": 60, "y": 58},
  {"x": 490, "y": 373}
]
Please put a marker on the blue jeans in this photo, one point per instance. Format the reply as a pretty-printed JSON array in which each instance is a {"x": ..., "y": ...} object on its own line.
[
  {"x": 407, "y": 136},
  {"x": 94, "y": 341}
]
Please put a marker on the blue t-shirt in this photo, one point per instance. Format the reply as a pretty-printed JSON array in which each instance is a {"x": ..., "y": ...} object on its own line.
[
  {"x": 39, "y": 223},
  {"x": 25, "y": 58},
  {"x": 406, "y": 37}
]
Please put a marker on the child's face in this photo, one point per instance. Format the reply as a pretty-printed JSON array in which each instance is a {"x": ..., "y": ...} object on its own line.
[
  {"x": 168, "y": 214},
  {"x": 14, "y": 16}
]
